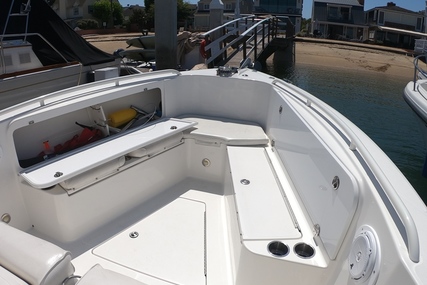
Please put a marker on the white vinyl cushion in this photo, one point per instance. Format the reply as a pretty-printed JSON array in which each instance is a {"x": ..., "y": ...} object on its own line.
[
  {"x": 7, "y": 278},
  {"x": 32, "y": 259},
  {"x": 99, "y": 275}
]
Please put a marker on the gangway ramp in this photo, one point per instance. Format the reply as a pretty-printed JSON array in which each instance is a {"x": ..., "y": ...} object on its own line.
[{"x": 251, "y": 37}]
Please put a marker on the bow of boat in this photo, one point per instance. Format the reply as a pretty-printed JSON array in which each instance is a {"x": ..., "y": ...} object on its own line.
[{"x": 201, "y": 177}]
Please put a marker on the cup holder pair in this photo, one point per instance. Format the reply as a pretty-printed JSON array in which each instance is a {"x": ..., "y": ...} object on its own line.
[{"x": 279, "y": 249}]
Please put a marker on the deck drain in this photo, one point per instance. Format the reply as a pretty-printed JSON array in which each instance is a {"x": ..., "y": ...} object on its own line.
[{"x": 278, "y": 248}]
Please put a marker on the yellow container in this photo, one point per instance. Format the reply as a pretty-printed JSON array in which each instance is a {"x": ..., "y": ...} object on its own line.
[{"x": 121, "y": 117}]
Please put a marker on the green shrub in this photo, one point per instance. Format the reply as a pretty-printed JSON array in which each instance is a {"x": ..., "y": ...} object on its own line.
[{"x": 87, "y": 24}]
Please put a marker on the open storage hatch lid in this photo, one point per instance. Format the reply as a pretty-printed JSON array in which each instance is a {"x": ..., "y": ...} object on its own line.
[{"x": 61, "y": 168}]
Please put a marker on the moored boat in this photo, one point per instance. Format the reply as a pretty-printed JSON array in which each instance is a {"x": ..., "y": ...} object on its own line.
[
  {"x": 415, "y": 95},
  {"x": 187, "y": 50},
  {"x": 145, "y": 42},
  {"x": 40, "y": 53},
  {"x": 139, "y": 54},
  {"x": 217, "y": 176}
]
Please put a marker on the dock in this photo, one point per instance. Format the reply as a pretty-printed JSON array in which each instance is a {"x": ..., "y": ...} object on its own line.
[{"x": 249, "y": 39}]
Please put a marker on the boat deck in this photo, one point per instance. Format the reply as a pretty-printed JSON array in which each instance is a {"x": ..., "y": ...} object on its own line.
[
  {"x": 180, "y": 243},
  {"x": 190, "y": 235},
  {"x": 196, "y": 230},
  {"x": 219, "y": 188}
]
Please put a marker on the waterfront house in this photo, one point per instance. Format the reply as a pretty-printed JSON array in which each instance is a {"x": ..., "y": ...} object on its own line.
[
  {"x": 73, "y": 10},
  {"x": 201, "y": 17},
  {"x": 339, "y": 19},
  {"x": 285, "y": 9},
  {"x": 395, "y": 26},
  {"x": 129, "y": 9},
  {"x": 291, "y": 9}
]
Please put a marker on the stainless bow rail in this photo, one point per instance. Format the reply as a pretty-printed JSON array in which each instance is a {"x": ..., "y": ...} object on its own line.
[{"x": 419, "y": 73}]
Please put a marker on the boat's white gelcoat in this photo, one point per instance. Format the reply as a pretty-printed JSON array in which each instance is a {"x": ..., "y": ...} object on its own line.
[{"x": 259, "y": 161}]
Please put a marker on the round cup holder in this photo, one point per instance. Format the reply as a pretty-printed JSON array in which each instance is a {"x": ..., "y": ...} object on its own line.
[
  {"x": 304, "y": 250},
  {"x": 278, "y": 249}
]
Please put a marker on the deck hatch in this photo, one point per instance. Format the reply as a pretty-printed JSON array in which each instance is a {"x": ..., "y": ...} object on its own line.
[
  {"x": 262, "y": 209},
  {"x": 170, "y": 244},
  {"x": 73, "y": 164}
]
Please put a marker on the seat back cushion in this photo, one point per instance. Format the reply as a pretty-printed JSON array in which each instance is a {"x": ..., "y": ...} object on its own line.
[
  {"x": 7, "y": 278},
  {"x": 33, "y": 259}
]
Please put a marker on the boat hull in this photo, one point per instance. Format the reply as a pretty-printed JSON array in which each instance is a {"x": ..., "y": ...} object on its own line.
[
  {"x": 139, "y": 54},
  {"x": 226, "y": 177},
  {"x": 415, "y": 96},
  {"x": 20, "y": 88},
  {"x": 145, "y": 42}
]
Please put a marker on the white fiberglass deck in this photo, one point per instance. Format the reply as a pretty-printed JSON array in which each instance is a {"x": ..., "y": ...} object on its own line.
[
  {"x": 256, "y": 188},
  {"x": 194, "y": 232},
  {"x": 169, "y": 244},
  {"x": 183, "y": 242}
]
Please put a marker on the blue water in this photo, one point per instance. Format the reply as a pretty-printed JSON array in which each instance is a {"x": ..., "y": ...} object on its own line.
[{"x": 373, "y": 101}]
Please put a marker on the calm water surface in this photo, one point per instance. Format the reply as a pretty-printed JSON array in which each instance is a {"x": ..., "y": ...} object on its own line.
[{"x": 373, "y": 101}]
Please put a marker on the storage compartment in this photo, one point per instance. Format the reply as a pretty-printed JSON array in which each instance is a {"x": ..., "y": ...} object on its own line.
[
  {"x": 69, "y": 218},
  {"x": 40, "y": 141},
  {"x": 61, "y": 168},
  {"x": 56, "y": 134}
]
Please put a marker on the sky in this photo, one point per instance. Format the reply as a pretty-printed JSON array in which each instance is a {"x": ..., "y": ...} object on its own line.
[{"x": 413, "y": 5}]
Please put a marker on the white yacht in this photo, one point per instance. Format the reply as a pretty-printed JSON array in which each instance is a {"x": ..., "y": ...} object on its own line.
[
  {"x": 217, "y": 176},
  {"x": 40, "y": 53}
]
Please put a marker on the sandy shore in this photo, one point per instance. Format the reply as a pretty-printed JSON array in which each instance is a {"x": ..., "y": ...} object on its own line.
[{"x": 357, "y": 57}]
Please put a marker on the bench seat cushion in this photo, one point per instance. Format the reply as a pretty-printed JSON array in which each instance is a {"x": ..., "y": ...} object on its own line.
[{"x": 7, "y": 278}]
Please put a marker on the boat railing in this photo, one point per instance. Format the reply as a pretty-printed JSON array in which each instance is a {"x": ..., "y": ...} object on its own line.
[
  {"x": 61, "y": 96},
  {"x": 263, "y": 28},
  {"x": 24, "y": 12},
  {"x": 238, "y": 34},
  {"x": 419, "y": 73},
  {"x": 355, "y": 144},
  {"x": 231, "y": 23}
]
